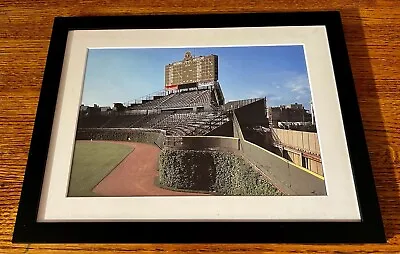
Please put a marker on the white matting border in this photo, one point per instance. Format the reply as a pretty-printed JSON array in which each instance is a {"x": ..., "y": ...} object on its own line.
[{"x": 339, "y": 205}]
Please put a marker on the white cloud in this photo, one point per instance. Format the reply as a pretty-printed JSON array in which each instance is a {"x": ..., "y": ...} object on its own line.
[
  {"x": 257, "y": 94},
  {"x": 275, "y": 99},
  {"x": 298, "y": 85},
  {"x": 291, "y": 88}
]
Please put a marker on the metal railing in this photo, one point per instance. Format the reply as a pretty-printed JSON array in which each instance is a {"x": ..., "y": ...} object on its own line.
[{"x": 150, "y": 96}]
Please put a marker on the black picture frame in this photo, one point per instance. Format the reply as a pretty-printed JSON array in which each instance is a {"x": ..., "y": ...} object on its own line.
[{"x": 370, "y": 229}]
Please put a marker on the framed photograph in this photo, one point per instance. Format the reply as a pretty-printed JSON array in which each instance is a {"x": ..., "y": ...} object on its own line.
[{"x": 225, "y": 128}]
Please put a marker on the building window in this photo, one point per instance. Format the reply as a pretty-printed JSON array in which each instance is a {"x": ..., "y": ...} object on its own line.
[{"x": 305, "y": 162}]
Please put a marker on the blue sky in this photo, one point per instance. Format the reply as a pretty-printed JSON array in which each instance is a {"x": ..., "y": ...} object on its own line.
[{"x": 121, "y": 75}]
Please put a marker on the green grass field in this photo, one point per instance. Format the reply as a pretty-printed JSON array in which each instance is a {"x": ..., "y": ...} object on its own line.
[{"x": 92, "y": 161}]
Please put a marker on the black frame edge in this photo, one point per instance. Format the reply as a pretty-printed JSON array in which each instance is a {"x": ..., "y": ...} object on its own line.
[
  {"x": 355, "y": 133},
  {"x": 41, "y": 134},
  {"x": 371, "y": 229}
]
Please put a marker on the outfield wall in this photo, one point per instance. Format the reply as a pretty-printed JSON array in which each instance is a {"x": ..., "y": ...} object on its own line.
[
  {"x": 307, "y": 141},
  {"x": 150, "y": 136},
  {"x": 300, "y": 147},
  {"x": 202, "y": 143},
  {"x": 287, "y": 176}
]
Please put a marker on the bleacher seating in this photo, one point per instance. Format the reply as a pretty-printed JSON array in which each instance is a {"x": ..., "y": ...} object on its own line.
[
  {"x": 191, "y": 123},
  {"x": 179, "y": 100},
  {"x": 121, "y": 121},
  {"x": 154, "y": 103},
  {"x": 203, "y": 98},
  {"x": 93, "y": 121},
  {"x": 149, "y": 120},
  {"x": 172, "y": 113}
]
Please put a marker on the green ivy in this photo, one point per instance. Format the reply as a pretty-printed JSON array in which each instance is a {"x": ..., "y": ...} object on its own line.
[
  {"x": 141, "y": 136},
  {"x": 222, "y": 172}
]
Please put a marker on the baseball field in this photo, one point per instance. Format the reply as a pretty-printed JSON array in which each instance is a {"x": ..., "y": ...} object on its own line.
[
  {"x": 116, "y": 168},
  {"x": 92, "y": 161}
]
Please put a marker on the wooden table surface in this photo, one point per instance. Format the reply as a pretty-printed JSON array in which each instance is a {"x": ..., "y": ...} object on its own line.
[{"x": 372, "y": 31}]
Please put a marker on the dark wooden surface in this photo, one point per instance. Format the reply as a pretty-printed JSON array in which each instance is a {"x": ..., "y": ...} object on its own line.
[{"x": 372, "y": 31}]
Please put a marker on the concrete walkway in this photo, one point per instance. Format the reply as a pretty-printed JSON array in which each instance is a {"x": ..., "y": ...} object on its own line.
[{"x": 135, "y": 175}]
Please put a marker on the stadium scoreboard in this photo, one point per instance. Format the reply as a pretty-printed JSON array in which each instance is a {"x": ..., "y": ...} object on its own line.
[{"x": 191, "y": 71}]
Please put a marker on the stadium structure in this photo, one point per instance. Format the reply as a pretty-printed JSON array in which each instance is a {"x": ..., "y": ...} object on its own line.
[
  {"x": 189, "y": 119},
  {"x": 190, "y": 103}
]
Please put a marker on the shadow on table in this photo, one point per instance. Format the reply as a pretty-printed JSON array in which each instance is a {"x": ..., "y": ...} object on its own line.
[{"x": 382, "y": 160}]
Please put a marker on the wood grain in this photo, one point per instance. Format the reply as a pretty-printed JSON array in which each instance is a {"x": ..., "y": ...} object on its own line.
[{"x": 372, "y": 31}]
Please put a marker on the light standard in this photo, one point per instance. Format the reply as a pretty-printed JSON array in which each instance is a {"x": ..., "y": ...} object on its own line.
[{"x": 312, "y": 113}]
